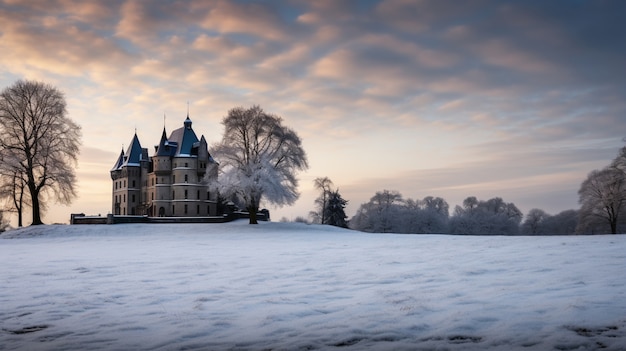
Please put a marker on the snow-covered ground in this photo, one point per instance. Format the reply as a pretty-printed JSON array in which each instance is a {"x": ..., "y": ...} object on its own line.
[{"x": 286, "y": 286}]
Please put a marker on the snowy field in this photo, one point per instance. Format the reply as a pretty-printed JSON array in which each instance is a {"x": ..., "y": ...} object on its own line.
[{"x": 285, "y": 286}]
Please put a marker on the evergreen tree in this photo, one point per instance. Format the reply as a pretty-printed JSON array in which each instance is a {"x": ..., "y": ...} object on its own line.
[{"x": 334, "y": 213}]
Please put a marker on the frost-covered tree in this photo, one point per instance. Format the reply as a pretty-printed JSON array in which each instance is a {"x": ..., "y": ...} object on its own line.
[
  {"x": 534, "y": 222},
  {"x": 388, "y": 212},
  {"x": 493, "y": 216},
  {"x": 603, "y": 200},
  {"x": 259, "y": 158},
  {"x": 334, "y": 212},
  {"x": 323, "y": 185},
  {"x": 381, "y": 214},
  {"x": 40, "y": 141},
  {"x": 563, "y": 223}
]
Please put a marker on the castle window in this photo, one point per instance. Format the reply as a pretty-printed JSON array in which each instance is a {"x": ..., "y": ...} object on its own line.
[
  {"x": 124, "y": 198},
  {"x": 173, "y": 209},
  {"x": 133, "y": 183},
  {"x": 185, "y": 209},
  {"x": 186, "y": 164},
  {"x": 197, "y": 209},
  {"x": 198, "y": 195},
  {"x": 133, "y": 198},
  {"x": 186, "y": 178},
  {"x": 173, "y": 179},
  {"x": 152, "y": 195},
  {"x": 124, "y": 183},
  {"x": 185, "y": 195}
]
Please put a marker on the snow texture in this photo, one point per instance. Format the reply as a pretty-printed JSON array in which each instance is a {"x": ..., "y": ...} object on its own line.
[{"x": 288, "y": 286}]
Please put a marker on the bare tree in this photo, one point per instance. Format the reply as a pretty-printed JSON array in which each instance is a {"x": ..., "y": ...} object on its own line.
[
  {"x": 603, "y": 197},
  {"x": 42, "y": 142},
  {"x": 323, "y": 184},
  {"x": 259, "y": 158},
  {"x": 12, "y": 188},
  {"x": 4, "y": 223},
  {"x": 533, "y": 224}
]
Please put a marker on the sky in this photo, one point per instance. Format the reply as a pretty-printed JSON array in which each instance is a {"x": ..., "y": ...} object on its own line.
[{"x": 514, "y": 99}]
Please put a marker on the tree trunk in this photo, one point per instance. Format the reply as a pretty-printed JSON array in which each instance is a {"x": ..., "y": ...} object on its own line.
[
  {"x": 36, "y": 208},
  {"x": 252, "y": 210},
  {"x": 613, "y": 226}
]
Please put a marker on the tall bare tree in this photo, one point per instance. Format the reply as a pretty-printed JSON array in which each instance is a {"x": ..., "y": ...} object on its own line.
[
  {"x": 41, "y": 142},
  {"x": 323, "y": 184},
  {"x": 603, "y": 198},
  {"x": 259, "y": 158}
]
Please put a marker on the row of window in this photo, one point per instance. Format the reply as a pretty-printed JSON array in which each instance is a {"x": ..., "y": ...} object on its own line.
[
  {"x": 155, "y": 180},
  {"x": 122, "y": 184},
  {"x": 123, "y": 198}
]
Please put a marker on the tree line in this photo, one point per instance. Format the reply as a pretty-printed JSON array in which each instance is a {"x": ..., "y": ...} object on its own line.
[{"x": 602, "y": 197}]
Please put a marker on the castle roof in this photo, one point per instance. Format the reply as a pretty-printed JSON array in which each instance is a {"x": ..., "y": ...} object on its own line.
[
  {"x": 166, "y": 147},
  {"x": 133, "y": 154},
  {"x": 185, "y": 137},
  {"x": 119, "y": 162}
]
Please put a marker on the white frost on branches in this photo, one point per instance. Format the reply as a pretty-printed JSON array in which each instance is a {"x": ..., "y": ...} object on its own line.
[{"x": 259, "y": 158}]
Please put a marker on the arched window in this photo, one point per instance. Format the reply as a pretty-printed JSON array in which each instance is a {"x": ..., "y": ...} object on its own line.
[{"x": 186, "y": 178}]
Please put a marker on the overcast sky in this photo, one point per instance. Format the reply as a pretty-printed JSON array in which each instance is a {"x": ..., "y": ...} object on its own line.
[{"x": 516, "y": 99}]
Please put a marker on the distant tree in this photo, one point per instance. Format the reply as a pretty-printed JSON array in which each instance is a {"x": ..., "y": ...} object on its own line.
[
  {"x": 301, "y": 219},
  {"x": 12, "y": 188},
  {"x": 603, "y": 198},
  {"x": 40, "y": 141},
  {"x": 493, "y": 216},
  {"x": 4, "y": 223},
  {"x": 563, "y": 223},
  {"x": 534, "y": 223},
  {"x": 388, "y": 212},
  {"x": 334, "y": 213},
  {"x": 323, "y": 185},
  {"x": 259, "y": 158},
  {"x": 381, "y": 214}
]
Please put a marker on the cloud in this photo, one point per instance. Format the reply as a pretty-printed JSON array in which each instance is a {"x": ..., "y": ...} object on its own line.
[{"x": 251, "y": 18}]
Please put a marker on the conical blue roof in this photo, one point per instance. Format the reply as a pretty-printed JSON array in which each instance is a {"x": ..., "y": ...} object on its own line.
[
  {"x": 119, "y": 162},
  {"x": 133, "y": 154},
  {"x": 166, "y": 148},
  {"x": 185, "y": 137}
]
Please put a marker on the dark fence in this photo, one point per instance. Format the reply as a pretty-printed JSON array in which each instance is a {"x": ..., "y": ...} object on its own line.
[{"x": 80, "y": 218}]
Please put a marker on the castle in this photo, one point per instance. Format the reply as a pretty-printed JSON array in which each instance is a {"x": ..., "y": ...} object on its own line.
[{"x": 173, "y": 182}]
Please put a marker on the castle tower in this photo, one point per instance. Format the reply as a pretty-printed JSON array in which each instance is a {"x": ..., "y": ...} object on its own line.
[{"x": 128, "y": 178}]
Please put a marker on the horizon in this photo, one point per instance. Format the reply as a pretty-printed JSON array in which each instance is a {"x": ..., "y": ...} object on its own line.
[{"x": 492, "y": 99}]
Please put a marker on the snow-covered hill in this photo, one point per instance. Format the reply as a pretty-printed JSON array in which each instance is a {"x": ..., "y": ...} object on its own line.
[{"x": 287, "y": 286}]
